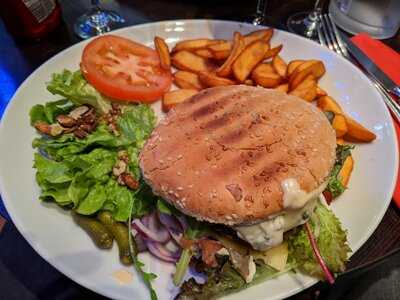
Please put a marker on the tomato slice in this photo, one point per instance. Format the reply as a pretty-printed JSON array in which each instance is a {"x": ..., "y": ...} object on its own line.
[{"x": 124, "y": 70}]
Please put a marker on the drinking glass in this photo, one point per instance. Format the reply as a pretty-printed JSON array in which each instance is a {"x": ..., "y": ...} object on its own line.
[
  {"x": 97, "y": 21},
  {"x": 259, "y": 16},
  {"x": 305, "y": 23}
]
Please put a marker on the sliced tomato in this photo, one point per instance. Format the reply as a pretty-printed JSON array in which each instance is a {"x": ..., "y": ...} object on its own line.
[{"x": 124, "y": 70}]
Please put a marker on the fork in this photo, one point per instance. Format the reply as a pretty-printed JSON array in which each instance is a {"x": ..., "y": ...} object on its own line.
[{"x": 329, "y": 36}]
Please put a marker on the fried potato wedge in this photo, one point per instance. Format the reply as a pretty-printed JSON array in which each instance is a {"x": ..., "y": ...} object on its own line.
[
  {"x": 249, "y": 82},
  {"x": 279, "y": 65},
  {"x": 187, "y": 61},
  {"x": 248, "y": 59},
  {"x": 262, "y": 34},
  {"x": 163, "y": 52},
  {"x": 221, "y": 50},
  {"x": 357, "y": 132},
  {"x": 237, "y": 48},
  {"x": 292, "y": 66},
  {"x": 210, "y": 79},
  {"x": 321, "y": 92},
  {"x": 312, "y": 67},
  {"x": 187, "y": 80},
  {"x": 173, "y": 98},
  {"x": 272, "y": 52},
  {"x": 345, "y": 171},
  {"x": 195, "y": 44},
  {"x": 307, "y": 90},
  {"x": 326, "y": 103},
  {"x": 283, "y": 87},
  {"x": 339, "y": 141},
  {"x": 204, "y": 52},
  {"x": 340, "y": 125},
  {"x": 266, "y": 76}
]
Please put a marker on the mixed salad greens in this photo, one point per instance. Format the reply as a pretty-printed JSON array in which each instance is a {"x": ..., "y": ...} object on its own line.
[{"x": 87, "y": 162}]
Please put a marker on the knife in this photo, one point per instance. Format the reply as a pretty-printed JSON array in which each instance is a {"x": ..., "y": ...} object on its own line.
[{"x": 370, "y": 67}]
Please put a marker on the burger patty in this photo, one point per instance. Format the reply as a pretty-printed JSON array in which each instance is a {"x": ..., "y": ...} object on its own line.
[{"x": 223, "y": 155}]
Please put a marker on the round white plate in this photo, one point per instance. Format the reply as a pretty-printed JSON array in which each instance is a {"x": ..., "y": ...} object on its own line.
[{"x": 52, "y": 233}]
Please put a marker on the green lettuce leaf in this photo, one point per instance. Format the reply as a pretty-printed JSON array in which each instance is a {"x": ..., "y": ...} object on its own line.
[
  {"x": 73, "y": 86},
  {"x": 50, "y": 111},
  {"x": 331, "y": 240}
]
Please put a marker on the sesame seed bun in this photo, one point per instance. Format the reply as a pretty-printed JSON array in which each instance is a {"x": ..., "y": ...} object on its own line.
[{"x": 222, "y": 155}]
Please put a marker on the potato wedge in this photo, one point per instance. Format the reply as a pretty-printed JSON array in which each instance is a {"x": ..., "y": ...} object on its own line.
[
  {"x": 279, "y": 65},
  {"x": 163, "y": 52},
  {"x": 307, "y": 90},
  {"x": 248, "y": 59},
  {"x": 211, "y": 79},
  {"x": 345, "y": 172},
  {"x": 340, "y": 125},
  {"x": 187, "y": 80},
  {"x": 195, "y": 44},
  {"x": 173, "y": 98},
  {"x": 292, "y": 66},
  {"x": 283, "y": 87},
  {"x": 221, "y": 50},
  {"x": 312, "y": 67},
  {"x": 249, "y": 82},
  {"x": 262, "y": 34},
  {"x": 339, "y": 141},
  {"x": 326, "y": 103},
  {"x": 321, "y": 92},
  {"x": 204, "y": 52},
  {"x": 272, "y": 52},
  {"x": 357, "y": 132},
  {"x": 187, "y": 61},
  {"x": 266, "y": 76},
  {"x": 237, "y": 48}
]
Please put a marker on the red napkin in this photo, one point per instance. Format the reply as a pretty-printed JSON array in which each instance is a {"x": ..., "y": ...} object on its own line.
[{"x": 388, "y": 61}]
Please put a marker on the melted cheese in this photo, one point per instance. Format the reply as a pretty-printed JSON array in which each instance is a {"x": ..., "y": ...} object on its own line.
[{"x": 299, "y": 204}]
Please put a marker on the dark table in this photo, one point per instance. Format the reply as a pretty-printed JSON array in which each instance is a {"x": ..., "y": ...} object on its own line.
[{"x": 25, "y": 275}]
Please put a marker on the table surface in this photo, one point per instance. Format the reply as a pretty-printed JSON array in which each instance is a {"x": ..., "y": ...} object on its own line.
[{"x": 19, "y": 59}]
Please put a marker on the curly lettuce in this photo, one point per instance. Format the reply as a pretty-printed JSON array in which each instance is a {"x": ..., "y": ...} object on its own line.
[
  {"x": 78, "y": 172},
  {"x": 74, "y": 87},
  {"x": 332, "y": 243}
]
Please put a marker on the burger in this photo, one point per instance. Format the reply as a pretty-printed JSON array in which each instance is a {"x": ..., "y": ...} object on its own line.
[{"x": 250, "y": 165}]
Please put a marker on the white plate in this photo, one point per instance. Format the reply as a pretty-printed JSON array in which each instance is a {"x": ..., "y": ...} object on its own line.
[{"x": 51, "y": 232}]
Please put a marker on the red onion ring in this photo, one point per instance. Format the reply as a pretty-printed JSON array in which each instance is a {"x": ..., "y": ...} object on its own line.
[
  {"x": 140, "y": 243},
  {"x": 161, "y": 252},
  {"x": 172, "y": 224},
  {"x": 153, "y": 231}
]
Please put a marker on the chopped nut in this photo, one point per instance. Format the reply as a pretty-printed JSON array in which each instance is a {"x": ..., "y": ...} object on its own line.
[
  {"x": 119, "y": 168},
  {"x": 129, "y": 180},
  {"x": 87, "y": 127},
  {"x": 79, "y": 111},
  {"x": 80, "y": 134},
  {"x": 88, "y": 118},
  {"x": 56, "y": 129},
  {"x": 123, "y": 155},
  {"x": 42, "y": 127},
  {"x": 66, "y": 121}
]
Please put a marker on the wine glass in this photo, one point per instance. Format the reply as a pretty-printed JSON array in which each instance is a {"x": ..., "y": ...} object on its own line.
[
  {"x": 305, "y": 23},
  {"x": 259, "y": 16},
  {"x": 97, "y": 21}
]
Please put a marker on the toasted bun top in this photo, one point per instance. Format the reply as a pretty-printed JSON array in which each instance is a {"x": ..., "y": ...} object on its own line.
[{"x": 222, "y": 155}]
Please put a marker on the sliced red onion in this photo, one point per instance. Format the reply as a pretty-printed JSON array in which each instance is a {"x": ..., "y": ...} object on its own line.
[
  {"x": 183, "y": 222},
  {"x": 153, "y": 232},
  {"x": 172, "y": 224},
  {"x": 140, "y": 243},
  {"x": 161, "y": 252}
]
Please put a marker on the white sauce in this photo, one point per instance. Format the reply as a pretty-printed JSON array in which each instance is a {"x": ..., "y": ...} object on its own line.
[
  {"x": 299, "y": 205},
  {"x": 294, "y": 197}
]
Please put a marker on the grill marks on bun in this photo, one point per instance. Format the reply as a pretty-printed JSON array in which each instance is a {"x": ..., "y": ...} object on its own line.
[{"x": 221, "y": 156}]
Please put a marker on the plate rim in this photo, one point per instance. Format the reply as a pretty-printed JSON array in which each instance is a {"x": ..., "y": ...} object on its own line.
[{"x": 85, "y": 283}]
